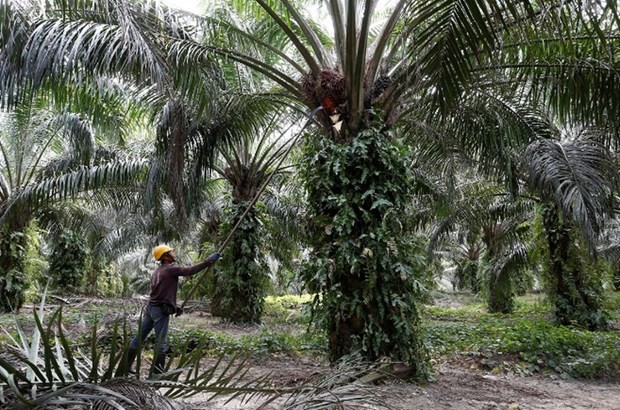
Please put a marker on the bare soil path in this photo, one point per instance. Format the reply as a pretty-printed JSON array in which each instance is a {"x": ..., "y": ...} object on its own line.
[
  {"x": 454, "y": 387},
  {"x": 459, "y": 388}
]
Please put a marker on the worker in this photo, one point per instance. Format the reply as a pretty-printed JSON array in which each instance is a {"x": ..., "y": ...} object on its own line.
[{"x": 163, "y": 302}]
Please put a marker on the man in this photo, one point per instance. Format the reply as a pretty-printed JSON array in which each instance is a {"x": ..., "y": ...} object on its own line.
[{"x": 163, "y": 301}]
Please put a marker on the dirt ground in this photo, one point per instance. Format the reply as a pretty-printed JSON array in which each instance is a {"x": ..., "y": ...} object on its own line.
[
  {"x": 458, "y": 388},
  {"x": 457, "y": 384},
  {"x": 454, "y": 387}
]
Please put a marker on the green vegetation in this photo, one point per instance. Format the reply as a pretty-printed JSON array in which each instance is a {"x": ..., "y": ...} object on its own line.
[
  {"x": 68, "y": 260},
  {"x": 525, "y": 342},
  {"x": 367, "y": 269},
  {"x": 63, "y": 370}
]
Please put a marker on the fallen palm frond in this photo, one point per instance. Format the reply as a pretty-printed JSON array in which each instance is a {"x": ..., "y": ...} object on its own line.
[{"x": 345, "y": 387}]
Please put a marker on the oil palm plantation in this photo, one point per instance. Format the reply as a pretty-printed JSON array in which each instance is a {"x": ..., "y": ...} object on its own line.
[
  {"x": 26, "y": 140},
  {"x": 49, "y": 155},
  {"x": 576, "y": 179},
  {"x": 371, "y": 72},
  {"x": 567, "y": 169},
  {"x": 44, "y": 370},
  {"x": 569, "y": 173},
  {"x": 239, "y": 139},
  {"x": 492, "y": 230}
]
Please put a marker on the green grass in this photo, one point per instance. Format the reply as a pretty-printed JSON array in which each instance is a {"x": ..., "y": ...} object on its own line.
[
  {"x": 285, "y": 332},
  {"x": 611, "y": 304},
  {"x": 261, "y": 345},
  {"x": 288, "y": 309}
]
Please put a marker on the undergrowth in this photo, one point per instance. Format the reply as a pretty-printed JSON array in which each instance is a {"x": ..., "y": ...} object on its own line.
[
  {"x": 526, "y": 342},
  {"x": 263, "y": 344}
]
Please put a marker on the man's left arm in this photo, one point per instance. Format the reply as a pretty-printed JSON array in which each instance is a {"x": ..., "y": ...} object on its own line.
[{"x": 192, "y": 270}]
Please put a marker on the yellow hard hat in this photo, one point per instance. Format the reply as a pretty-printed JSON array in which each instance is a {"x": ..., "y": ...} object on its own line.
[{"x": 159, "y": 251}]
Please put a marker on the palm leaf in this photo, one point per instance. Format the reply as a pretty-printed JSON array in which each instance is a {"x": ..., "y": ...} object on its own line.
[
  {"x": 579, "y": 176},
  {"x": 71, "y": 184},
  {"x": 14, "y": 30}
]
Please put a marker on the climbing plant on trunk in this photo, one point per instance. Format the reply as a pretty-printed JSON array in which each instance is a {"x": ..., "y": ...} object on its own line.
[
  {"x": 12, "y": 278},
  {"x": 576, "y": 292},
  {"x": 240, "y": 285},
  {"x": 69, "y": 259},
  {"x": 365, "y": 268}
]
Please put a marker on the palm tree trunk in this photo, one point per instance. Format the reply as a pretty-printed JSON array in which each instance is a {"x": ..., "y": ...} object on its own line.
[
  {"x": 12, "y": 278},
  {"x": 616, "y": 278},
  {"x": 238, "y": 296},
  {"x": 470, "y": 275},
  {"x": 460, "y": 279},
  {"x": 501, "y": 293},
  {"x": 577, "y": 298}
]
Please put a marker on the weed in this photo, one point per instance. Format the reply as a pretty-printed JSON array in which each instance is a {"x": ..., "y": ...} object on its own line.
[{"x": 525, "y": 342}]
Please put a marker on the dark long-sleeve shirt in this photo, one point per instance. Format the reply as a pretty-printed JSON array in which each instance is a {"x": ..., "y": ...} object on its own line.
[{"x": 165, "y": 281}]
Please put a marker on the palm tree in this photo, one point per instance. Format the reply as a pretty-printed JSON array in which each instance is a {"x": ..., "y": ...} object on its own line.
[
  {"x": 577, "y": 179},
  {"x": 418, "y": 66},
  {"x": 491, "y": 217},
  {"x": 26, "y": 139},
  {"x": 238, "y": 290},
  {"x": 47, "y": 157},
  {"x": 610, "y": 250},
  {"x": 96, "y": 229},
  {"x": 539, "y": 161},
  {"x": 192, "y": 115}
]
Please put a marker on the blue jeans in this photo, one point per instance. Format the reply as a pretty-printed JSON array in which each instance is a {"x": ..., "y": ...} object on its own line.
[{"x": 154, "y": 317}]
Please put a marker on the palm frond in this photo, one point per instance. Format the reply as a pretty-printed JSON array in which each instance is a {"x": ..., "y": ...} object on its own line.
[
  {"x": 511, "y": 260},
  {"x": 471, "y": 209},
  {"x": 63, "y": 375},
  {"x": 343, "y": 387},
  {"x": 580, "y": 176},
  {"x": 299, "y": 45},
  {"x": 109, "y": 38},
  {"x": 452, "y": 34},
  {"x": 565, "y": 60},
  {"x": 14, "y": 31},
  {"x": 193, "y": 52},
  {"x": 611, "y": 252},
  {"x": 73, "y": 183},
  {"x": 379, "y": 54}
]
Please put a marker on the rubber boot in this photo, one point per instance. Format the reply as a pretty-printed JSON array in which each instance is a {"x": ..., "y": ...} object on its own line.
[
  {"x": 131, "y": 357},
  {"x": 160, "y": 363}
]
